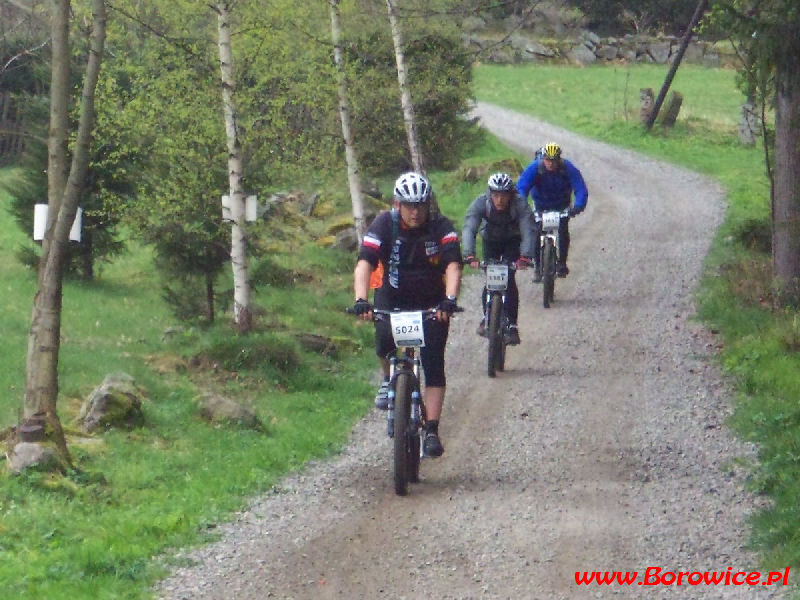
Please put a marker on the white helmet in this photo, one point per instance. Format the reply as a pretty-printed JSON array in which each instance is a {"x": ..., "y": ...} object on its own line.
[
  {"x": 500, "y": 182},
  {"x": 412, "y": 187}
]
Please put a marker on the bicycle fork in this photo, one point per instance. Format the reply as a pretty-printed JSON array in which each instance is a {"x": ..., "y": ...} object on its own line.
[{"x": 494, "y": 297}]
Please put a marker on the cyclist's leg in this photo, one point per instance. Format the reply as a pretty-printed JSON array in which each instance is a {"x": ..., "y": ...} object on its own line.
[
  {"x": 537, "y": 249},
  {"x": 563, "y": 240},
  {"x": 432, "y": 357},
  {"x": 384, "y": 346}
]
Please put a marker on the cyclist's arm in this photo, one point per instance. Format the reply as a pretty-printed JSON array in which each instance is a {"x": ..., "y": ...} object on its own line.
[
  {"x": 472, "y": 221},
  {"x": 361, "y": 279},
  {"x": 452, "y": 279},
  {"x": 578, "y": 187}
]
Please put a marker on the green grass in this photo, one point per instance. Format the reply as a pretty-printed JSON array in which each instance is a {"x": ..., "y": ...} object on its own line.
[
  {"x": 136, "y": 493},
  {"x": 759, "y": 346}
]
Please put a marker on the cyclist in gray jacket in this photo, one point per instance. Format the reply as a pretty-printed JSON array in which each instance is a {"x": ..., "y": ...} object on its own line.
[{"x": 505, "y": 222}]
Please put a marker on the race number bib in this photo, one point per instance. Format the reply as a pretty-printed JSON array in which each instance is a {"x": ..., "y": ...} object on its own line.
[
  {"x": 551, "y": 219},
  {"x": 407, "y": 329},
  {"x": 496, "y": 278}
]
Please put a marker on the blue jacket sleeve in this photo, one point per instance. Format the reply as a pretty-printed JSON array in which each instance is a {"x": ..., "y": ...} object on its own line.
[
  {"x": 578, "y": 186},
  {"x": 525, "y": 182}
]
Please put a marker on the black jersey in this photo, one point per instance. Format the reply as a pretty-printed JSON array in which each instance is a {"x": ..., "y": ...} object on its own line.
[{"x": 414, "y": 260}]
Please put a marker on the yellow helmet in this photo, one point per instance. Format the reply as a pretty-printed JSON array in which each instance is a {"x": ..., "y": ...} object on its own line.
[{"x": 552, "y": 151}]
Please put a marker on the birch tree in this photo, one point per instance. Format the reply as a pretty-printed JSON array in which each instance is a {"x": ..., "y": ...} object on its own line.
[
  {"x": 405, "y": 91},
  {"x": 64, "y": 189},
  {"x": 241, "y": 285},
  {"x": 351, "y": 156}
]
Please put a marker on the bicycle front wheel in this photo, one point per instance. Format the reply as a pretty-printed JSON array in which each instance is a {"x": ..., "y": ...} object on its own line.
[
  {"x": 501, "y": 355},
  {"x": 402, "y": 435},
  {"x": 494, "y": 331},
  {"x": 548, "y": 272}
]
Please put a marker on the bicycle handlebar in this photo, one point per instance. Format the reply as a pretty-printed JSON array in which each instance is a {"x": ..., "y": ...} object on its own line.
[{"x": 380, "y": 314}]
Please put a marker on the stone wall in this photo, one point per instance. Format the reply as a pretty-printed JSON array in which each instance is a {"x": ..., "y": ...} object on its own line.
[{"x": 587, "y": 48}]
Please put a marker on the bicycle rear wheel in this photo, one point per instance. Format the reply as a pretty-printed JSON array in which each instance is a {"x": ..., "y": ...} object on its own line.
[
  {"x": 494, "y": 331},
  {"x": 402, "y": 445},
  {"x": 548, "y": 272}
]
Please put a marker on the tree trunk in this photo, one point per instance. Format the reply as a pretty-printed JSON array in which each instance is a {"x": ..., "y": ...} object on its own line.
[
  {"x": 41, "y": 383},
  {"x": 351, "y": 157},
  {"x": 58, "y": 136},
  {"x": 786, "y": 205},
  {"x": 701, "y": 8},
  {"x": 241, "y": 283},
  {"x": 405, "y": 92},
  {"x": 210, "y": 297}
]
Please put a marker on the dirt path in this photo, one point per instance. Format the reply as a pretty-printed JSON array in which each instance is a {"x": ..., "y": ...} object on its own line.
[{"x": 600, "y": 448}]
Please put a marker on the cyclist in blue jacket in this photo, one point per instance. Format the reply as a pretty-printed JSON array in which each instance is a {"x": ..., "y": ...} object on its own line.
[{"x": 551, "y": 181}]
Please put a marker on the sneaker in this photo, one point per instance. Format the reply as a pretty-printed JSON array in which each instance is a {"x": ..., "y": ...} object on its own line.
[
  {"x": 511, "y": 336},
  {"x": 432, "y": 446},
  {"x": 382, "y": 397},
  {"x": 481, "y": 330},
  {"x": 562, "y": 270},
  {"x": 537, "y": 274}
]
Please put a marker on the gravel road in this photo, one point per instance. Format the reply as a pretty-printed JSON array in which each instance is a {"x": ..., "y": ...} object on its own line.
[{"x": 601, "y": 448}]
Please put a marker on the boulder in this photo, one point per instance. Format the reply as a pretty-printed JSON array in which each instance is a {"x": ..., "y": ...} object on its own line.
[
  {"x": 117, "y": 402},
  {"x": 220, "y": 410},
  {"x": 29, "y": 455},
  {"x": 581, "y": 55},
  {"x": 659, "y": 52},
  {"x": 607, "y": 52},
  {"x": 694, "y": 53}
]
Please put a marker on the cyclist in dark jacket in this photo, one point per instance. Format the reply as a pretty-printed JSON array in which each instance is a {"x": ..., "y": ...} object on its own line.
[
  {"x": 420, "y": 256},
  {"x": 551, "y": 181},
  {"x": 506, "y": 226}
]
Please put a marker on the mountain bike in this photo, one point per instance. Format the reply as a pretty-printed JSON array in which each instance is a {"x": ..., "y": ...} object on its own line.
[
  {"x": 405, "y": 418},
  {"x": 494, "y": 317},
  {"x": 548, "y": 244}
]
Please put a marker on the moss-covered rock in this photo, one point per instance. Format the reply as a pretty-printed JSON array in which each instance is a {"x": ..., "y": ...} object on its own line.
[
  {"x": 117, "y": 402},
  {"x": 220, "y": 410}
]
